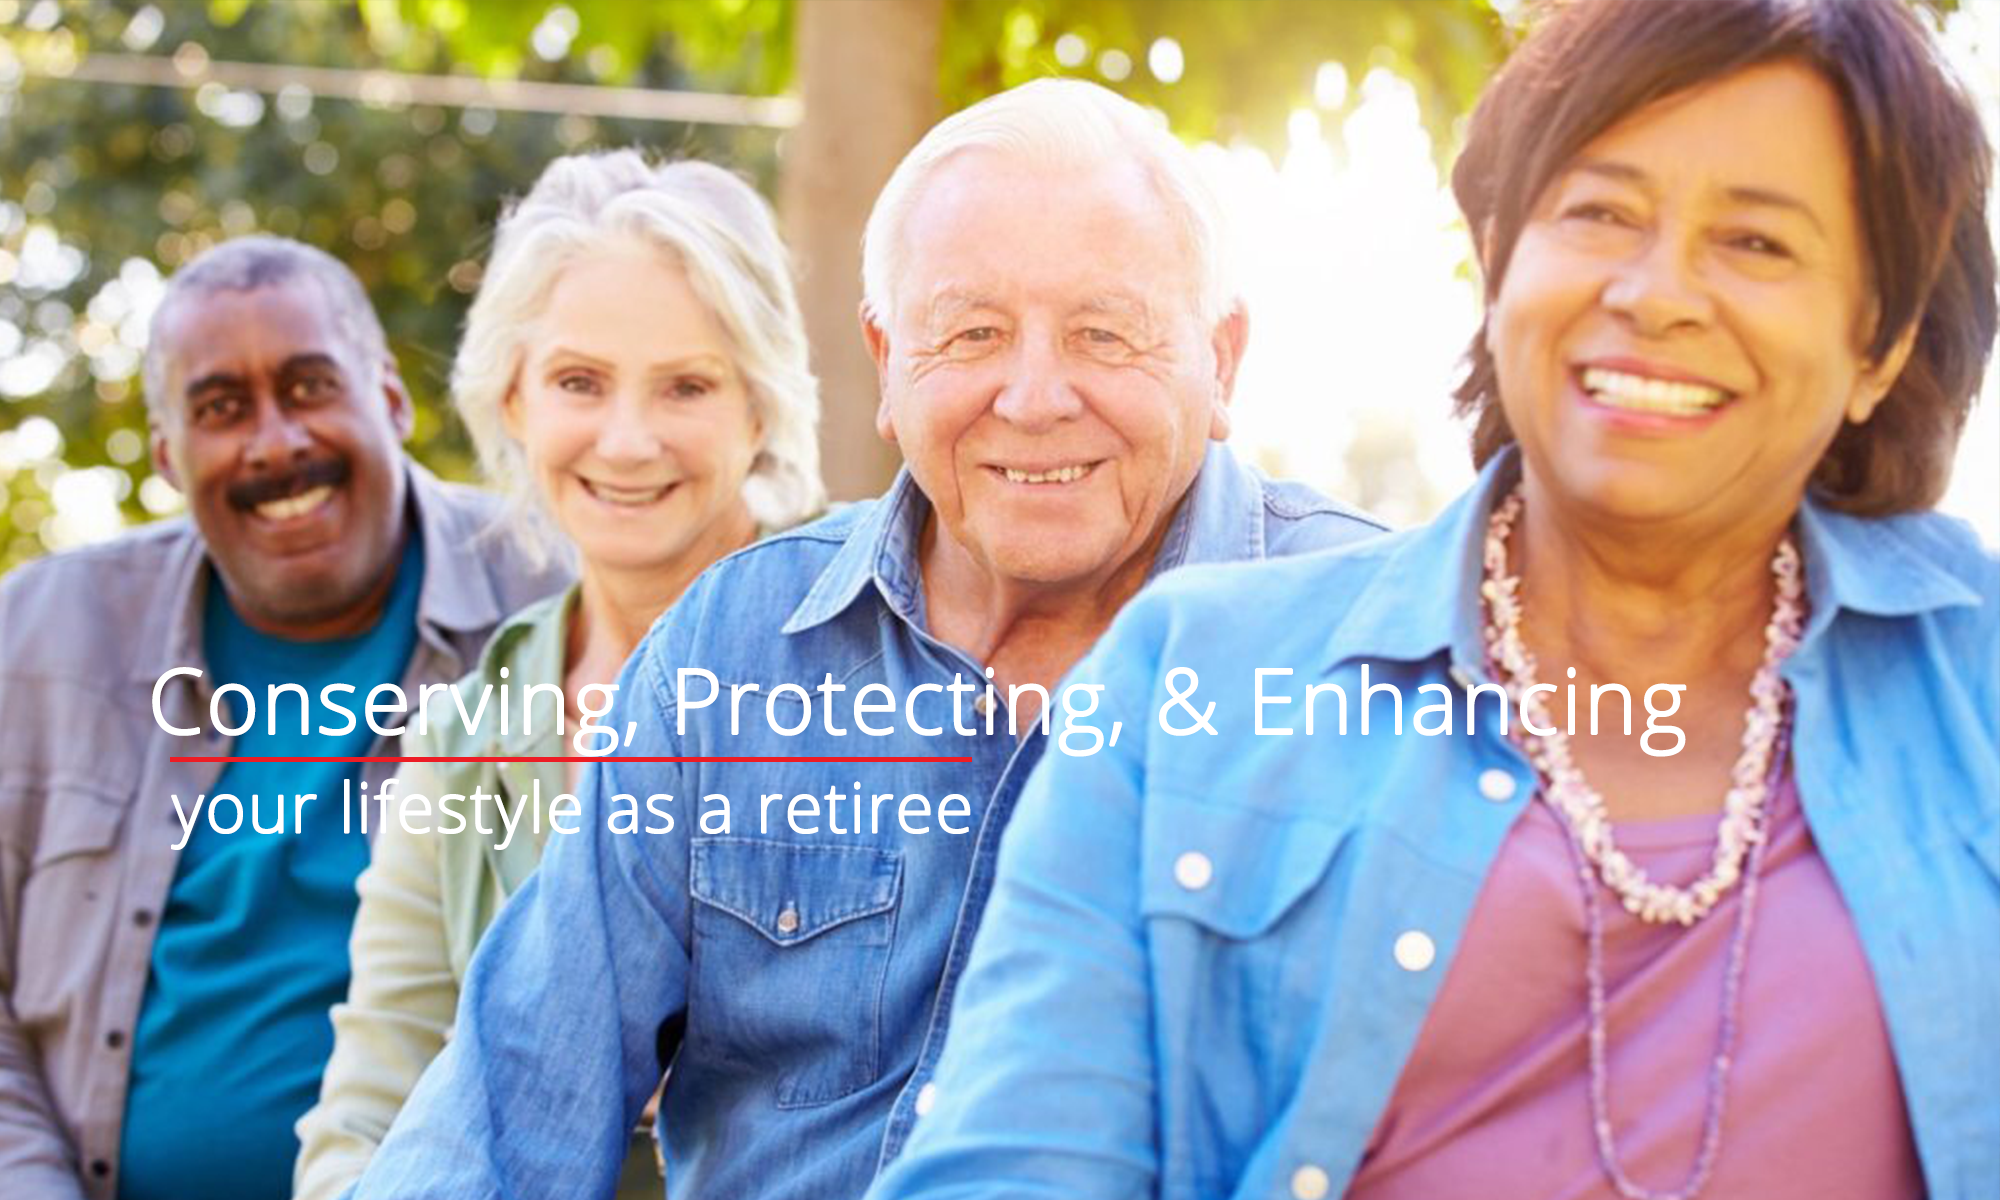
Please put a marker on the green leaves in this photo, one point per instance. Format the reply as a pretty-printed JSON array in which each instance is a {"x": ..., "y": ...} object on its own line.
[
  {"x": 96, "y": 174},
  {"x": 1244, "y": 66},
  {"x": 405, "y": 195}
]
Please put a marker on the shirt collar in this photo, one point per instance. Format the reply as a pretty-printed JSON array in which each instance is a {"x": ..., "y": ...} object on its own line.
[
  {"x": 458, "y": 591},
  {"x": 1220, "y": 520},
  {"x": 173, "y": 619},
  {"x": 1425, "y": 597},
  {"x": 880, "y": 549},
  {"x": 531, "y": 645},
  {"x": 1872, "y": 565}
]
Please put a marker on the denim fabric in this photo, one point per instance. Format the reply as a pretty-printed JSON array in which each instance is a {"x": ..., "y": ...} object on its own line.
[
  {"x": 1205, "y": 980},
  {"x": 798, "y": 984}
]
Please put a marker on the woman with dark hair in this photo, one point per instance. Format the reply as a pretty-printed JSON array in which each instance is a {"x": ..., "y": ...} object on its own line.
[{"x": 1740, "y": 295}]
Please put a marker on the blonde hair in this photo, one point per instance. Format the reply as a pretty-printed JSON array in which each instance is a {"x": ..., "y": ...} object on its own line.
[
  {"x": 721, "y": 233},
  {"x": 1059, "y": 122}
]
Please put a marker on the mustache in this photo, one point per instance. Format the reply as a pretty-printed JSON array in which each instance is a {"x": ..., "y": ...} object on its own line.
[{"x": 326, "y": 472}]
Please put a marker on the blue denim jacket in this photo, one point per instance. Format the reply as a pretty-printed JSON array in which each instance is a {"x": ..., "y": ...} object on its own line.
[
  {"x": 799, "y": 985},
  {"x": 1188, "y": 986}
]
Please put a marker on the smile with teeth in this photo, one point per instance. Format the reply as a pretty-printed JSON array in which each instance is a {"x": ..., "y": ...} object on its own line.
[
  {"x": 628, "y": 497},
  {"x": 1069, "y": 474},
  {"x": 289, "y": 507},
  {"x": 1640, "y": 393}
]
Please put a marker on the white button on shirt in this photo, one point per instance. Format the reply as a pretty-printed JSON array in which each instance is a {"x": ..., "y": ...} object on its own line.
[
  {"x": 1415, "y": 951},
  {"x": 788, "y": 921},
  {"x": 926, "y": 1098},
  {"x": 1310, "y": 1183},
  {"x": 1497, "y": 785},
  {"x": 1193, "y": 871}
]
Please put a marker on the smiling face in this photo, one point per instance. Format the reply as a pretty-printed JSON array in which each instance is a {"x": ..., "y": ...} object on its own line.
[
  {"x": 286, "y": 441},
  {"x": 634, "y": 419},
  {"x": 1681, "y": 328},
  {"x": 1045, "y": 373}
]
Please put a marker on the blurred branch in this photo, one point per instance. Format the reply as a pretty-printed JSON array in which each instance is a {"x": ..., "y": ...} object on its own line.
[{"x": 450, "y": 91}]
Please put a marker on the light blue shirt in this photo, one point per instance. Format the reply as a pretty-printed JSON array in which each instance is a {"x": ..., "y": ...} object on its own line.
[
  {"x": 1189, "y": 984},
  {"x": 799, "y": 985}
]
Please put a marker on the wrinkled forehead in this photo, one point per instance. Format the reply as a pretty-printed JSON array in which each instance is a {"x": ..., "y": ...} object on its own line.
[
  {"x": 253, "y": 332},
  {"x": 1006, "y": 229}
]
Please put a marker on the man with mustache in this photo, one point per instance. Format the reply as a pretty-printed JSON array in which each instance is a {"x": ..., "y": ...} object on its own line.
[
  {"x": 163, "y": 1014},
  {"x": 1049, "y": 305}
]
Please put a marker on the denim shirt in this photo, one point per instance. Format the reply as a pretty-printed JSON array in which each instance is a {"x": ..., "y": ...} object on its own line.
[
  {"x": 1205, "y": 980},
  {"x": 799, "y": 985}
]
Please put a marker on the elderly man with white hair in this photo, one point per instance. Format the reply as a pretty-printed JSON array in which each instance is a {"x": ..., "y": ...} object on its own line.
[{"x": 1057, "y": 338}]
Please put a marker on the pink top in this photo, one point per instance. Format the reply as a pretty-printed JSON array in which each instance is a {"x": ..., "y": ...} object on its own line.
[{"x": 1495, "y": 1097}]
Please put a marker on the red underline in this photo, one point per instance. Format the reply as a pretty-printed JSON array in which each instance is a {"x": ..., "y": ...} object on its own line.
[{"x": 533, "y": 758}]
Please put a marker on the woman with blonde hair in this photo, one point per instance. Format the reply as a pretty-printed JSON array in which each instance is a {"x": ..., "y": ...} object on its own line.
[{"x": 634, "y": 375}]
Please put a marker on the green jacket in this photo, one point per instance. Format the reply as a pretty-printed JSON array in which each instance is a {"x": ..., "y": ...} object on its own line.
[
  {"x": 475, "y": 876},
  {"x": 427, "y": 899}
]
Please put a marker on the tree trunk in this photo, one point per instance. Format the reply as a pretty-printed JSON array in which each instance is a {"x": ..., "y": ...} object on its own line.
[{"x": 868, "y": 79}]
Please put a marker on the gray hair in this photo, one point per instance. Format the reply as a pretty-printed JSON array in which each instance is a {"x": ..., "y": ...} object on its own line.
[
  {"x": 1059, "y": 122},
  {"x": 721, "y": 232},
  {"x": 245, "y": 264}
]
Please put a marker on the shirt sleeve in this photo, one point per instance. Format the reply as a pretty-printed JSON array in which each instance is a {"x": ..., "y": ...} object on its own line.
[
  {"x": 571, "y": 1002},
  {"x": 1063, "y": 924},
  {"x": 35, "y": 1157},
  {"x": 399, "y": 1003}
]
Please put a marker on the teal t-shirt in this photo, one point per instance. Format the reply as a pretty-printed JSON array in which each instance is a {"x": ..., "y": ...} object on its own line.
[{"x": 233, "y": 1032}]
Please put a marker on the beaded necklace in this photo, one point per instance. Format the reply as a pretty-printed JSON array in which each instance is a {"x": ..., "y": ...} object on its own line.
[{"x": 1740, "y": 840}]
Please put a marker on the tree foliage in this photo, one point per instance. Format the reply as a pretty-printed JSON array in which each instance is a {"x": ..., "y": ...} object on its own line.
[
  {"x": 408, "y": 194},
  {"x": 1246, "y": 66}
]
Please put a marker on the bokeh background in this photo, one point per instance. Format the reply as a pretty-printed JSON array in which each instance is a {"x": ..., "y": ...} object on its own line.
[{"x": 390, "y": 132}]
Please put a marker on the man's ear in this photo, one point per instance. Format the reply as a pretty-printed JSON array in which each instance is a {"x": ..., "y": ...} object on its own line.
[
  {"x": 163, "y": 459},
  {"x": 402, "y": 414},
  {"x": 156, "y": 416},
  {"x": 1229, "y": 340},
  {"x": 1872, "y": 385},
  {"x": 877, "y": 340}
]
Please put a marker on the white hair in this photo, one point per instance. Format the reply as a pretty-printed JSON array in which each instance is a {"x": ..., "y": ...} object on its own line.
[
  {"x": 721, "y": 233},
  {"x": 1056, "y": 122}
]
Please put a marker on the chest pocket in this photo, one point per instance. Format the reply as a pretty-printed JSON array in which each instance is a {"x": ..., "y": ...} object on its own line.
[
  {"x": 1242, "y": 928},
  {"x": 1234, "y": 872},
  {"x": 63, "y": 929},
  {"x": 792, "y": 944}
]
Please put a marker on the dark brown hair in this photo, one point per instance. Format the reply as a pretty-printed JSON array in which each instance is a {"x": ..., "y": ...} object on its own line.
[{"x": 1921, "y": 172}]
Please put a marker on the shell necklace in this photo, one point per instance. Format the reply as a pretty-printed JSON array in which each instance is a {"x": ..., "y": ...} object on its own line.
[
  {"x": 1739, "y": 848},
  {"x": 1582, "y": 808}
]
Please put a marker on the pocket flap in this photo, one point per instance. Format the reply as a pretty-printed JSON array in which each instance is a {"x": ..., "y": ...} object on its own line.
[
  {"x": 1236, "y": 871},
  {"x": 790, "y": 892},
  {"x": 77, "y": 823}
]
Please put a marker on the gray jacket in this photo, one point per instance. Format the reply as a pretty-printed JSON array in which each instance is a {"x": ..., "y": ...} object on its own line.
[{"x": 86, "y": 825}]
